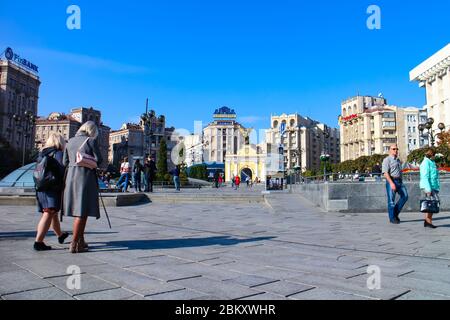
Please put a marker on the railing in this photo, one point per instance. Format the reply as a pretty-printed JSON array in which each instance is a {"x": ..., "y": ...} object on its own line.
[{"x": 355, "y": 177}]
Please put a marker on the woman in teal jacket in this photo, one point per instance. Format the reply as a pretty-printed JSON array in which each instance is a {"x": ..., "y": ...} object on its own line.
[{"x": 429, "y": 182}]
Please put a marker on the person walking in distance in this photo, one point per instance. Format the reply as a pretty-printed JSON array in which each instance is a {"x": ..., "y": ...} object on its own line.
[
  {"x": 137, "y": 176},
  {"x": 124, "y": 179},
  {"x": 392, "y": 170},
  {"x": 237, "y": 182},
  {"x": 150, "y": 174},
  {"x": 81, "y": 193},
  {"x": 429, "y": 182},
  {"x": 176, "y": 177},
  {"x": 376, "y": 171},
  {"x": 49, "y": 196}
]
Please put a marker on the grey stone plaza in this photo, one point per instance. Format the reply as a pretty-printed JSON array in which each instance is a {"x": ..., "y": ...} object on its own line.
[{"x": 278, "y": 247}]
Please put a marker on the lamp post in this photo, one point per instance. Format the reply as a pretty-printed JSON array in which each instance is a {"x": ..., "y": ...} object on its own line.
[
  {"x": 430, "y": 133},
  {"x": 146, "y": 119},
  {"x": 325, "y": 157},
  {"x": 26, "y": 122}
]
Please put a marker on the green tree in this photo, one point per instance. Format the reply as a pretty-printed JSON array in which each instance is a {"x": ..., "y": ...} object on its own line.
[
  {"x": 161, "y": 174},
  {"x": 183, "y": 174},
  {"x": 198, "y": 172}
]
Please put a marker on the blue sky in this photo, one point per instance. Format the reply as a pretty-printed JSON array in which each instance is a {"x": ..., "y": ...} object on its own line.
[{"x": 191, "y": 57}]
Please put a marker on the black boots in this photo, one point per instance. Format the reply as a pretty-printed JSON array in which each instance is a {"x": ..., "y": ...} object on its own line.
[{"x": 40, "y": 246}]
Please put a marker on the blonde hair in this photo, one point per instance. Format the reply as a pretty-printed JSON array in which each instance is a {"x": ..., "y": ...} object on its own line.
[
  {"x": 55, "y": 140},
  {"x": 89, "y": 128}
]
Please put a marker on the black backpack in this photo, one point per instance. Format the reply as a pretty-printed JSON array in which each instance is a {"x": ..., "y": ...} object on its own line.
[{"x": 44, "y": 176}]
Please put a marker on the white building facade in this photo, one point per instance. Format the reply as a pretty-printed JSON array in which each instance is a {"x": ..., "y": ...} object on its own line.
[{"x": 434, "y": 75}]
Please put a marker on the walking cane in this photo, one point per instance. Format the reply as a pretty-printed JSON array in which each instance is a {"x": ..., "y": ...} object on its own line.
[{"x": 104, "y": 208}]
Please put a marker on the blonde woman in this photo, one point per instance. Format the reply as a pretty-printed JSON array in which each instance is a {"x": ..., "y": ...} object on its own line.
[
  {"x": 49, "y": 197},
  {"x": 81, "y": 191}
]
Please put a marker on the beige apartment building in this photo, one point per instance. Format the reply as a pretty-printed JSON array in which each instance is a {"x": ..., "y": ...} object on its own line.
[
  {"x": 19, "y": 93},
  {"x": 128, "y": 141},
  {"x": 434, "y": 75},
  {"x": 138, "y": 141},
  {"x": 303, "y": 141},
  {"x": 370, "y": 126},
  {"x": 223, "y": 136},
  {"x": 68, "y": 125}
]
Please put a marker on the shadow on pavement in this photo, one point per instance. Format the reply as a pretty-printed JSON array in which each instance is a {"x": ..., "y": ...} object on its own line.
[
  {"x": 32, "y": 234},
  {"x": 174, "y": 243},
  {"x": 435, "y": 218}
]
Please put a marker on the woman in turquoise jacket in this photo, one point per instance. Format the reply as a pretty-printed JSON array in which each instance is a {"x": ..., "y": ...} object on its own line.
[{"x": 429, "y": 182}]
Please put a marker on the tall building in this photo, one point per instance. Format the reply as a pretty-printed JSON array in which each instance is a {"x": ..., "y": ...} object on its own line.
[
  {"x": 55, "y": 122},
  {"x": 408, "y": 121},
  {"x": 128, "y": 141},
  {"x": 434, "y": 75},
  {"x": 68, "y": 126},
  {"x": 19, "y": 93},
  {"x": 223, "y": 136},
  {"x": 141, "y": 140},
  {"x": 303, "y": 141},
  {"x": 370, "y": 126}
]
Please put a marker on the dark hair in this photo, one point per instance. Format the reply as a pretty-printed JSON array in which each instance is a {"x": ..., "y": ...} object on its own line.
[{"x": 430, "y": 153}]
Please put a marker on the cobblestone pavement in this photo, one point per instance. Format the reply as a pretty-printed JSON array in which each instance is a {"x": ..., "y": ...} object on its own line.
[{"x": 285, "y": 249}]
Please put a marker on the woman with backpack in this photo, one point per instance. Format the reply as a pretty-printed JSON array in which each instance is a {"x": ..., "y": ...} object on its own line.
[
  {"x": 81, "y": 194},
  {"x": 49, "y": 187}
]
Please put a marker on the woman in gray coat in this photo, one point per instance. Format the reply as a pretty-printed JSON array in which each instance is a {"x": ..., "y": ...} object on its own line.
[{"x": 81, "y": 187}]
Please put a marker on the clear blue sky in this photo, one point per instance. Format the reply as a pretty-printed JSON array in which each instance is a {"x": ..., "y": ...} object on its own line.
[{"x": 191, "y": 57}]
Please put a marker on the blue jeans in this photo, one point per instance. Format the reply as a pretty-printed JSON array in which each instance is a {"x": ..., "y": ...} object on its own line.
[
  {"x": 123, "y": 182},
  {"x": 395, "y": 209},
  {"x": 176, "y": 181}
]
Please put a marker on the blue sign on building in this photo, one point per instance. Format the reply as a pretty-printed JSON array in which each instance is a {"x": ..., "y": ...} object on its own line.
[{"x": 11, "y": 56}]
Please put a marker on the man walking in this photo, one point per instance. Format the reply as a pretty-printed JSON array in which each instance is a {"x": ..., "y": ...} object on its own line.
[
  {"x": 137, "y": 175},
  {"x": 392, "y": 170},
  {"x": 150, "y": 171}
]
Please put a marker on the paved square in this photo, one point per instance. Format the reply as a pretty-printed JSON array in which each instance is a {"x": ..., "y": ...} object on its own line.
[{"x": 283, "y": 248}]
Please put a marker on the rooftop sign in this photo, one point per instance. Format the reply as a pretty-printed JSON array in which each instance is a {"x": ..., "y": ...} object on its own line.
[{"x": 11, "y": 56}]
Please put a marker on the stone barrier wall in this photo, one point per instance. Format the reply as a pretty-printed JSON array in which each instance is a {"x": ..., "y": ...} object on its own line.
[{"x": 364, "y": 196}]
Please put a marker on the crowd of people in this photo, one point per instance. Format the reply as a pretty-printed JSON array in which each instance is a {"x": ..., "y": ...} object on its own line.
[{"x": 140, "y": 174}]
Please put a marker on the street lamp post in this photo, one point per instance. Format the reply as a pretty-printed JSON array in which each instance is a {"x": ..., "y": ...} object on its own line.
[
  {"x": 148, "y": 130},
  {"x": 27, "y": 122},
  {"x": 430, "y": 132},
  {"x": 325, "y": 157}
]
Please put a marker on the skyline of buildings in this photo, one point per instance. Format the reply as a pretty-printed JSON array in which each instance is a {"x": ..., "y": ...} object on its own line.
[{"x": 368, "y": 125}]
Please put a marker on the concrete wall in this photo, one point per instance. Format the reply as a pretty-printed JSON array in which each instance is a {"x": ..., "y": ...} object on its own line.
[{"x": 364, "y": 197}]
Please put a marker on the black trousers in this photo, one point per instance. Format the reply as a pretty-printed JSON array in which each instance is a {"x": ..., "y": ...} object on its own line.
[{"x": 149, "y": 185}]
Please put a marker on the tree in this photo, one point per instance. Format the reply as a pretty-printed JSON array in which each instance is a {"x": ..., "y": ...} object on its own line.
[
  {"x": 183, "y": 175},
  {"x": 198, "y": 172},
  {"x": 418, "y": 155},
  {"x": 9, "y": 158},
  {"x": 444, "y": 139},
  {"x": 161, "y": 174}
]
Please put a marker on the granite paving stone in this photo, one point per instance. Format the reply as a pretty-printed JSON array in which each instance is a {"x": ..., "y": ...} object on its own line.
[{"x": 283, "y": 248}]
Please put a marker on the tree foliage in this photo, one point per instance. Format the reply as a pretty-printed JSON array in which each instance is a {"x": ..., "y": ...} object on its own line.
[
  {"x": 361, "y": 164},
  {"x": 198, "y": 172},
  {"x": 161, "y": 174}
]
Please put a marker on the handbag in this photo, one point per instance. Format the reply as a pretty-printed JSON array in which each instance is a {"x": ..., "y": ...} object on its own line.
[
  {"x": 84, "y": 159},
  {"x": 430, "y": 205}
]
